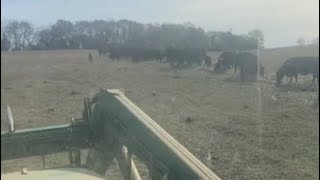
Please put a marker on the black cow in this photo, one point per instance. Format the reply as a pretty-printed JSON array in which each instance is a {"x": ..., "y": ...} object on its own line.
[
  {"x": 159, "y": 55},
  {"x": 207, "y": 61},
  {"x": 152, "y": 54},
  {"x": 226, "y": 60},
  {"x": 246, "y": 62},
  {"x": 248, "y": 65},
  {"x": 292, "y": 67},
  {"x": 184, "y": 57},
  {"x": 140, "y": 55},
  {"x": 135, "y": 54},
  {"x": 90, "y": 57},
  {"x": 102, "y": 51},
  {"x": 116, "y": 53}
]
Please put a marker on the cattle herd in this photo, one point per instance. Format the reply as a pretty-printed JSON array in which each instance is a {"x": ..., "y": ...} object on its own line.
[
  {"x": 177, "y": 58},
  {"x": 245, "y": 62}
]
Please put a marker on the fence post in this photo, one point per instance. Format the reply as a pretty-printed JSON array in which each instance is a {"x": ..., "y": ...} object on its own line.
[{"x": 10, "y": 119}]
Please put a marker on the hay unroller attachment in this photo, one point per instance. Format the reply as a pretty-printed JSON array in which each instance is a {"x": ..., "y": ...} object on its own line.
[{"x": 111, "y": 127}]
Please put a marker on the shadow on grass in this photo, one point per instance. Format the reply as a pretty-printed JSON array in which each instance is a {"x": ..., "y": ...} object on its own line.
[
  {"x": 298, "y": 87},
  {"x": 236, "y": 79}
]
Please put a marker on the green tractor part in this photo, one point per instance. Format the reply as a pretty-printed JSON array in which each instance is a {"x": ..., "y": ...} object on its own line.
[{"x": 112, "y": 127}]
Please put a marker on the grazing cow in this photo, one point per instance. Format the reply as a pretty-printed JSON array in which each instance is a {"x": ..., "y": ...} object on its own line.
[
  {"x": 226, "y": 61},
  {"x": 292, "y": 67},
  {"x": 90, "y": 57},
  {"x": 159, "y": 56},
  {"x": 140, "y": 55},
  {"x": 248, "y": 65},
  {"x": 196, "y": 55},
  {"x": 117, "y": 53},
  {"x": 102, "y": 51},
  {"x": 184, "y": 57},
  {"x": 246, "y": 62},
  {"x": 135, "y": 54},
  {"x": 207, "y": 61},
  {"x": 219, "y": 67},
  {"x": 114, "y": 56},
  {"x": 151, "y": 54}
]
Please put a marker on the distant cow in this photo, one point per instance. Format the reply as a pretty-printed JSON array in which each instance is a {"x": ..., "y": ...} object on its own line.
[
  {"x": 246, "y": 62},
  {"x": 102, "y": 51},
  {"x": 207, "y": 61},
  {"x": 135, "y": 54},
  {"x": 185, "y": 57},
  {"x": 90, "y": 57},
  {"x": 116, "y": 53},
  {"x": 159, "y": 55},
  {"x": 248, "y": 65},
  {"x": 292, "y": 67},
  {"x": 226, "y": 60}
]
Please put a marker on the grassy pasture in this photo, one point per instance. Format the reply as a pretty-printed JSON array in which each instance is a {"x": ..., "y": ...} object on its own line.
[{"x": 208, "y": 113}]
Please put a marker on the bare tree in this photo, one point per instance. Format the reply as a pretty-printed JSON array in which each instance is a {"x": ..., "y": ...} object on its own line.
[
  {"x": 12, "y": 31},
  {"x": 26, "y": 33},
  {"x": 19, "y": 33}
]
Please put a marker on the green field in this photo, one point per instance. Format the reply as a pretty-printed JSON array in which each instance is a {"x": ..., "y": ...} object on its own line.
[{"x": 275, "y": 137}]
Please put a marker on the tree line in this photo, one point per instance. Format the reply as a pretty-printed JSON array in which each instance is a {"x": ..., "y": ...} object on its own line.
[{"x": 97, "y": 34}]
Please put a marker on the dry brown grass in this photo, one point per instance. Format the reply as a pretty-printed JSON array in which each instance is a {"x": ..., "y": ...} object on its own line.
[{"x": 205, "y": 112}]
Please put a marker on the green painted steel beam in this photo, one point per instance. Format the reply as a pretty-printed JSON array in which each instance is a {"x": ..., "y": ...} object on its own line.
[
  {"x": 46, "y": 140},
  {"x": 143, "y": 136}
]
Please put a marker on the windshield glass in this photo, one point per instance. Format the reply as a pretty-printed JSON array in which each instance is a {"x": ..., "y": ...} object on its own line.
[{"x": 234, "y": 82}]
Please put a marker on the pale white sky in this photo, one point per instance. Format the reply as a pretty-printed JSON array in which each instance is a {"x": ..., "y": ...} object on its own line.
[{"x": 282, "y": 21}]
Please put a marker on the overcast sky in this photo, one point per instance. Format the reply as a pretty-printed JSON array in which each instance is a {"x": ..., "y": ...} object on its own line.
[{"x": 282, "y": 21}]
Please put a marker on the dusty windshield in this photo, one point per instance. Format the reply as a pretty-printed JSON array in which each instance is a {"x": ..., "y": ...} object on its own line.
[{"x": 200, "y": 89}]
